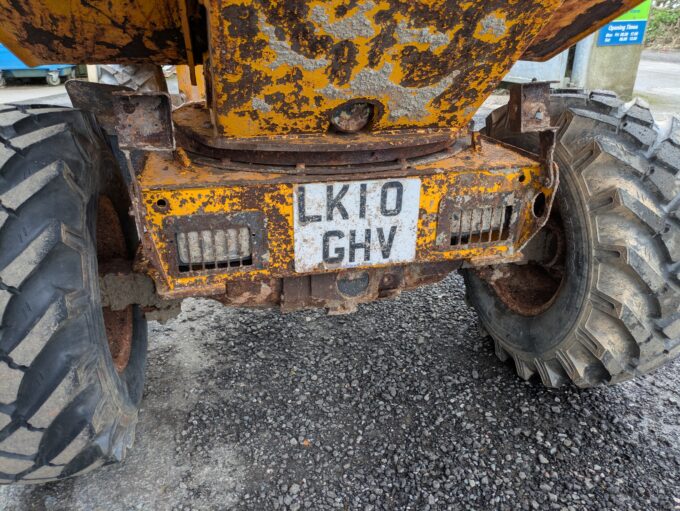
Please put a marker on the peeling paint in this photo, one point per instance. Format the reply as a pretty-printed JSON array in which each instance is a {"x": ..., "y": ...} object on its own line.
[
  {"x": 284, "y": 55},
  {"x": 424, "y": 35},
  {"x": 402, "y": 102},
  {"x": 261, "y": 105},
  {"x": 350, "y": 27},
  {"x": 492, "y": 28}
]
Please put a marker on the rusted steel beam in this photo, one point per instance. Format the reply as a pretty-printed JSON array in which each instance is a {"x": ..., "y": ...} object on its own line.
[{"x": 97, "y": 98}]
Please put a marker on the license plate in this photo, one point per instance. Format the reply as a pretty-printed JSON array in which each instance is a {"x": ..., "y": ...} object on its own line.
[{"x": 350, "y": 224}]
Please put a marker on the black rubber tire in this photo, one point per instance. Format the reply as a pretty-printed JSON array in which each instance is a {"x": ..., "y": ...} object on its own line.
[
  {"x": 139, "y": 77},
  {"x": 617, "y": 314},
  {"x": 63, "y": 407}
]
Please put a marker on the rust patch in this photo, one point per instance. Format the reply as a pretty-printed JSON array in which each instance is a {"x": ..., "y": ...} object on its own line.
[
  {"x": 144, "y": 120},
  {"x": 525, "y": 289},
  {"x": 531, "y": 286},
  {"x": 110, "y": 239},
  {"x": 111, "y": 248},
  {"x": 96, "y": 98},
  {"x": 94, "y": 31},
  {"x": 119, "y": 328},
  {"x": 529, "y": 107}
]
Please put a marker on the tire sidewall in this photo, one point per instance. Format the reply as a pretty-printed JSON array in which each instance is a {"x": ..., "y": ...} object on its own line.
[
  {"x": 543, "y": 334},
  {"x": 129, "y": 383}
]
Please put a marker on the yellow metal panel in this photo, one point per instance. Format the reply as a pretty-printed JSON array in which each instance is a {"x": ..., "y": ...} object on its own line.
[
  {"x": 191, "y": 92},
  {"x": 92, "y": 32},
  {"x": 282, "y": 66}
]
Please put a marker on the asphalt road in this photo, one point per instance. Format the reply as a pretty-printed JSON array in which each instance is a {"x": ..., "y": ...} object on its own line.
[{"x": 658, "y": 82}]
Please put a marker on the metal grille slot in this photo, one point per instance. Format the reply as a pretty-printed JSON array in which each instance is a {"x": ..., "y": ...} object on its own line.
[
  {"x": 480, "y": 225},
  {"x": 213, "y": 249}
]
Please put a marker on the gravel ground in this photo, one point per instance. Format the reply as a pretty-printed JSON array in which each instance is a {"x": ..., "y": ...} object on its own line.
[{"x": 402, "y": 405}]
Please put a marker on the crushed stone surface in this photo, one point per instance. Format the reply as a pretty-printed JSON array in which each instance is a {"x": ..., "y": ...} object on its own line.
[{"x": 402, "y": 405}]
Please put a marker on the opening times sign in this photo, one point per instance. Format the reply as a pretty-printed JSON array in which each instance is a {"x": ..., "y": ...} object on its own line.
[{"x": 627, "y": 29}]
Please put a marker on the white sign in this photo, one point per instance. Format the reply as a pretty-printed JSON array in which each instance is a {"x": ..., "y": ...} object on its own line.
[{"x": 350, "y": 224}]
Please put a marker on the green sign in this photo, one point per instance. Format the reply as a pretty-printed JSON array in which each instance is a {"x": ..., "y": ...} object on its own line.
[{"x": 639, "y": 13}]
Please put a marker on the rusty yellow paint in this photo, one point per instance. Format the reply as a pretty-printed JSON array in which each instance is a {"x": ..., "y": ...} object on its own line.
[
  {"x": 190, "y": 91},
  {"x": 96, "y": 31},
  {"x": 203, "y": 189},
  {"x": 127, "y": 31},
  {"x": 493, "y": 28},
  {"x": 281, "y": 67},
  {"x": 275, "y": 201}
]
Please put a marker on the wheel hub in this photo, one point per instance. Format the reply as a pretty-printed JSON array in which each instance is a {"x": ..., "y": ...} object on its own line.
[
  {"x": 111, "y": 250},
  {"x": 531, "y": 288}
]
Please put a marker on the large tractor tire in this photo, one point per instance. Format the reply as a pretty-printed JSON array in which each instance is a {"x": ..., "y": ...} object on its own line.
[
  {"x": 601, "y": 301},
  {"x": 68, "y": 399},
  {"x": 139, "y": 77}
]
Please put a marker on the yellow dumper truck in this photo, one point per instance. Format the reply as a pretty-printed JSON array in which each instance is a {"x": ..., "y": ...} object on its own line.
[{"x": 323, "y": 156}]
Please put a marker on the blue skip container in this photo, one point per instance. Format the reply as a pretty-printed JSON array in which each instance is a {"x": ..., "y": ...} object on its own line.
[{"x": 12, "y": 67}]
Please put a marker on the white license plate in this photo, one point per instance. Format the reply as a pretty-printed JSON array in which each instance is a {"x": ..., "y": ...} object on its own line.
[{"x": 350, "y": 224}]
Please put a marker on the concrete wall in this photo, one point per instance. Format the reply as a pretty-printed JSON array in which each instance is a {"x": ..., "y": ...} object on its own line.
[
  {"x": 594, "y": 67},
  {"x": 613, "y": 68},
  {"x": 552, "y": 70}
]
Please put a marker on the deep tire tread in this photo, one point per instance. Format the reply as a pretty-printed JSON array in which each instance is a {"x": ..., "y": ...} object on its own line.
[
  {"x": 70, "y": 404},
  {"x": 630, "y": 171}
]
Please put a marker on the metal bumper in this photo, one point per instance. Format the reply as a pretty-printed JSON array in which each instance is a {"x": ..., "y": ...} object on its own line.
[{"x": 188, "y": 204}]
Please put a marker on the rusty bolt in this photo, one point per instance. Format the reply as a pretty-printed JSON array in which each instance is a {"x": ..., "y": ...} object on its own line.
[
  {"x": 183, "y": 157},
  {"x": 387, "y": 280}
]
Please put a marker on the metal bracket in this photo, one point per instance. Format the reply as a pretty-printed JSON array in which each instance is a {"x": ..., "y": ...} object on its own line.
[
  {"x": 144, "y": 120},
  {"x": 96, "y": 98},
  {"x": 529, "y": 107}
]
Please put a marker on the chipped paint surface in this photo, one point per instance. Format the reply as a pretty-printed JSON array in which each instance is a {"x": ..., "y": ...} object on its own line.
[
  {"x": 141, "y": 31},
  {"x": 199, "y": 189},
  {"x": 423, "y": 36},
  {"x": 402, "y": 102},
  {"x": 93, "y": 31},
  {"x": 354, "y": 25},
  {"x": 492, "y": 28},
  {"x": 427, "y": 64},
  {"x": 279, "y": 67},
  {"x": 284, "y": 55}
]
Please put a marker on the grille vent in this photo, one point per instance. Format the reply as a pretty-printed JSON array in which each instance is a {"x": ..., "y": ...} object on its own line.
[
  {"x": 213, "y": 249},
  {"x": 480, "y": 225}
]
